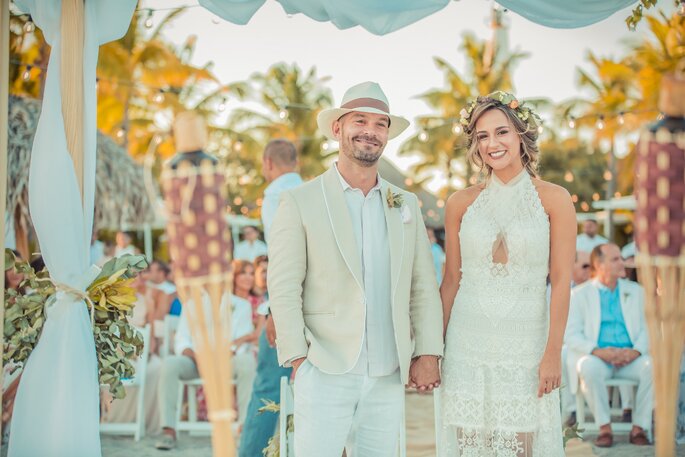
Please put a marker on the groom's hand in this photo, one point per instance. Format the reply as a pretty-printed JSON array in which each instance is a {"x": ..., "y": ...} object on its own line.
[
  {"x": 424, "y": 373},
  {"x": 296, "y": 364}
]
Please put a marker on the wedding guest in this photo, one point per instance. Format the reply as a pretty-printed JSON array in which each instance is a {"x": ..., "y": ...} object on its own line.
[
  {"x": 607, "y": 337},
  {"x": 279, "y": 165},
  {"x": 587, "y": 240},
  {"x": 123, "y": 245},
  {"x": 251, "y": 247}
]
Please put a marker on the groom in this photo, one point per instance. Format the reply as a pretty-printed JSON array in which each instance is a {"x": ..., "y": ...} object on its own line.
[{"x": 352, "y": 289}]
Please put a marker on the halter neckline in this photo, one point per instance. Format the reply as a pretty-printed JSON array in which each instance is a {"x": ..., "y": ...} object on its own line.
[{"x": 512, "y": 182}]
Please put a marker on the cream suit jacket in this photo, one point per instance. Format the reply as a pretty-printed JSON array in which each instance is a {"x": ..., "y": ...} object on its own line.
[
  {"x": 316, "y": 292},
  {"x": 585, "y": 320}
]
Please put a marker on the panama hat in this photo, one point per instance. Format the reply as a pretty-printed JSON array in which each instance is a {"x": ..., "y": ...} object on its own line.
[{"x": 366, "y": 97}]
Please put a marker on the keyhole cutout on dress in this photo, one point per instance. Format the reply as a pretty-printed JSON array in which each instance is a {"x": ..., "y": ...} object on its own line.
[{"x": 500, "y": 252}]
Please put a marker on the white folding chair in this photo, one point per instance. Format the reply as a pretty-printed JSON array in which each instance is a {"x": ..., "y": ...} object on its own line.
[
  {"x": 287, "y": 409},
  {"x": 169, "y": 330},
  {"x": 136, "y": 428},
  {"x": 191, "y": 425},
  {"x": 616, "y": 410}
]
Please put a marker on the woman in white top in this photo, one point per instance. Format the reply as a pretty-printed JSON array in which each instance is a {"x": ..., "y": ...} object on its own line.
[{"x": 502, "y": 362}]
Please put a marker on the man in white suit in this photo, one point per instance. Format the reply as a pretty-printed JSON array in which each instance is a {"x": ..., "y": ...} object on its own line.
[
  {"x": 607, "y": 337},
  {"x": 352, "y": 290}
]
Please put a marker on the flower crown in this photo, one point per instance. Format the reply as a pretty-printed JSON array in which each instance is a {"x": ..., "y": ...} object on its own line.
[{"x": 523, "y": 112}]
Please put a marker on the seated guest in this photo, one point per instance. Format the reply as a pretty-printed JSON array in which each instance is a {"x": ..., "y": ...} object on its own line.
[
  {"x": 251, "y": 247},
  {"x": 607, "y": 338},
  {"x": 183, "y": 365}
]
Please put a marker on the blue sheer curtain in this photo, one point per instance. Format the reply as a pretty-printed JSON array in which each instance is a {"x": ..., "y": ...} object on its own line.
[{"x": 384, "y": 16}]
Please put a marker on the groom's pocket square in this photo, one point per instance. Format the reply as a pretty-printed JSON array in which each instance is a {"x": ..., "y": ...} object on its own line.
[{"x": 406, "y": 214}]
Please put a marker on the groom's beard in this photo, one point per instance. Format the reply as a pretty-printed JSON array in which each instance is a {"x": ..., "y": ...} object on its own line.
[{"x": 365, "y": 155}]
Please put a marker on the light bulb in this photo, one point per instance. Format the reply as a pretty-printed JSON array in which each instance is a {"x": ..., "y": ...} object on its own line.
[
  {"x": 27, "y": 73},
  {"x": 29, "y": 26},
  {"x": 158, "y": 98},
  {"x": 423, "y": 136},
  {"x": 600, "y": 123},
  {"x": 222, "y": 106},
  {"x": 282, "y": 114},
  {"x": 572, "y": 122},
  {"x": 621, "y": 118},
  {"x": 456, "y": 128},
  {"x": 148, "y": 21},
  {"x": 325, "y": 146}
]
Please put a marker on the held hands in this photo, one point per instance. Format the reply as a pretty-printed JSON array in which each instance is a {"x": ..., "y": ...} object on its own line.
[
  {"x": 424, "y": 373},
  {"x": 549, "y": 372}
]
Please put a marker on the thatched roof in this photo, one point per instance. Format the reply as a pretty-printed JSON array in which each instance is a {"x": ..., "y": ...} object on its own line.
[{"x": 121, "y": 199}]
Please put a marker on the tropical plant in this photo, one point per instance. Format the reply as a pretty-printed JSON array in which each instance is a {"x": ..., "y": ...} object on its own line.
[
  {"x": 288, "y": 101},
  {"x": 440, "y": 143}
]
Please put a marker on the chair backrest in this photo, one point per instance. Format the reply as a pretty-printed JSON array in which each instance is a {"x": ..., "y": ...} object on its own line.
[
  {"x": 287, "y": 409},
  {"x": 170, "y": 326}
]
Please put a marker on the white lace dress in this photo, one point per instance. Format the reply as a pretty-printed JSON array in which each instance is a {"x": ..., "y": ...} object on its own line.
[{"x": 498, "y": 331}]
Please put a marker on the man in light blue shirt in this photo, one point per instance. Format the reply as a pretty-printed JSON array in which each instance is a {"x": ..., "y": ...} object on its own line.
[
  {"x": 279, "y": 163},
  {"x": 607, "y": 338}
]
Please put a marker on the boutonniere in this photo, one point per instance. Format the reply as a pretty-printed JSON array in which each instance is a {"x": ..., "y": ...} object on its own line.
[{"x": 394, "y": 200}]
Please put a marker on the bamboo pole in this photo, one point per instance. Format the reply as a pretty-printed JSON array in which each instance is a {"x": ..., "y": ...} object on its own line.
[
  {"x": 664, "y": 282},
  {"x": 4, "y": 112}
]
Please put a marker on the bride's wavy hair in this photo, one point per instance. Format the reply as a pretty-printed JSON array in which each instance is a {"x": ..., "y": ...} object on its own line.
[{"x": 530, "y": 154}]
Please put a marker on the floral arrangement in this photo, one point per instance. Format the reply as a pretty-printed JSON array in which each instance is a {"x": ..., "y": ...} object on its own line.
[
  {"x": 394, "y": 200},
  {"x": 523, "y": 112},
  {"x": 117, "y": 342},
  {"x": 272, "y": 448}
]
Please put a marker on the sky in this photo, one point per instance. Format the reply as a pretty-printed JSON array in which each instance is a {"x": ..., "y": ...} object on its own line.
[{"x": 402, "y": 61}]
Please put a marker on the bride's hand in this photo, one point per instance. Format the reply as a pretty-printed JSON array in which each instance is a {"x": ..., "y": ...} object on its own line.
[{"x": 549, "y": 372}]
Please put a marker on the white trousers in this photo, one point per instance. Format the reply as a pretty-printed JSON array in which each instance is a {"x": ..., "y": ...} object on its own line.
[
  {"x": 329, "y": 407},
  {"x": 594, "y": 373}
]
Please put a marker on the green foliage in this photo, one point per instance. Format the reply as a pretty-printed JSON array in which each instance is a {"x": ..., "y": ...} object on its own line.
[
  {"x": 572, "y": 158},
  {"x": 636, "y": 15},
  {"x": 117, "y": 342}
]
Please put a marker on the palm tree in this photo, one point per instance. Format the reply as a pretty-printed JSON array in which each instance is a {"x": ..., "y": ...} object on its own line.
[
  {"x": 289, "y": 99},
  {"x": 440, "y": 143},
  {"x": 143, "y": 80}
]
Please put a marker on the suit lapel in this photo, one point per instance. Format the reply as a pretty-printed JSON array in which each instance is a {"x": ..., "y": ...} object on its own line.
[
  {"x": 596, "y": 310},
  {"x": 395, "y": 226},
  {"x": 339, "y": 216}
]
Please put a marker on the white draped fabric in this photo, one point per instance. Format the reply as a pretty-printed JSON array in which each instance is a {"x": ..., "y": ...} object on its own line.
[
  {"x": 57, "y": 405},
  {"x": 384, "y": 16}
]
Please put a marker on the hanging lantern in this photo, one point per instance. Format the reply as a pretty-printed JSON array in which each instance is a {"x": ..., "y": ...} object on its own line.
[
  {"x": 199, "y": 243},
  {"x": 660, "y": 238}
]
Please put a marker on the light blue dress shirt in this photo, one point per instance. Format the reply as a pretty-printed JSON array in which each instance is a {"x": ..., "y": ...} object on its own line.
[
  {"x": 612, "y": 331},
  {"x": 272, "y": 195},
  {"x": 378, "y": 355}
]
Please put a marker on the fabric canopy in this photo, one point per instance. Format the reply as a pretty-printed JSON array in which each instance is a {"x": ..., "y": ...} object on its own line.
[
  {"x": 384, "y": 16},
  {"x": 56, "y": 410}
]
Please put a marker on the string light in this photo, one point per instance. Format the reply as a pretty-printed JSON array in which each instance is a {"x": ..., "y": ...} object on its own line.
[
  {"x": 159, "y": 97},
  {"x": 27, "y": 73},
  {"x": 607, "y": 175},
  {"x": 29, "y": 26},
  {"x": 148, "y": 21},
  {"x": 325, "y": 146},
  {"x": 238, "y": 145},
  {"x": 572, "y": 122},
  {"x": 121, "y": 133},
  {"x": 621, "y": 118},
  {"x": 423, "y": 136},
  {"x": 222, "y": 105},
  {"x": 456, "y": 128},
  {"x": 568, "y": 177},
  {"x": 283, "y": 113},
  {"x": 600, "y": 123},
  {"x": 540, "y": 130}
]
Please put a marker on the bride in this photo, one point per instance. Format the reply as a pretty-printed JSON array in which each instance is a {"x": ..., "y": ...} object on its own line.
[{"x": 502, "y": 362}]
